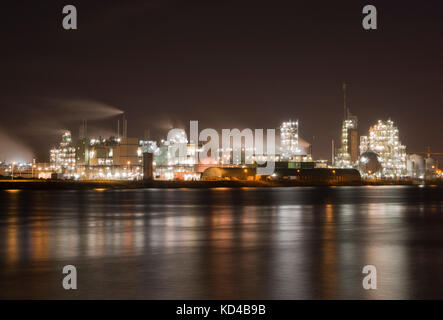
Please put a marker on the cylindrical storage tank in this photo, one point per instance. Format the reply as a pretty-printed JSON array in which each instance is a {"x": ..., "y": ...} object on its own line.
[
  {"x": 420, "y": 163},
  {"x": 410, "y": 167}
]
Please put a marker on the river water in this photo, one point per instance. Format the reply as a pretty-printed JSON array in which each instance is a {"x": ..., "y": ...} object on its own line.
[{"x": 250, "y": 243}]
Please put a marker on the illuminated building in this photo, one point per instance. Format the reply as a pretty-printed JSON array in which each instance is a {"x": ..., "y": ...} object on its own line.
[
  {"x": 347, "y": 155},
  {"x": 62, "y": 158},
  {"x": 117, "y": 157},
  {"x": 289, "y": 144},
  {"x": 25, "y": 170},
  {"x": 176, "y": 158},
  {"x": 383, "y": 139},
  {"x": 41, "y": 170},
  {"x": 96, "y": 158},
  {"x": 113, "y": 158}
]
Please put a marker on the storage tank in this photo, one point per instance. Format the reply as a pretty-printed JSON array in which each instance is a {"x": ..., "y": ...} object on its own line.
[
  {"x": 415, "y": 166},
  {"x": 369, "y": 162}
]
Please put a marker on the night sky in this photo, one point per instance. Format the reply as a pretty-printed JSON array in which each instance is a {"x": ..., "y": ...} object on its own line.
[{"x": 228, "y": 64}]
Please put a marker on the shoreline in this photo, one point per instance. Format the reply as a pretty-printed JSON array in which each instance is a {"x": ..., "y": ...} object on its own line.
[{"x": 113, "y": 184}]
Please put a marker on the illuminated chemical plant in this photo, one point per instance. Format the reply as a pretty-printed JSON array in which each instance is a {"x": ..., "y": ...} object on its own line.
[
  {"x": 384, "y": 141},
  {"x": 122, "y": 158},
  {"x": 289, "y": 143},
  {"x": 62, "y": 158}
]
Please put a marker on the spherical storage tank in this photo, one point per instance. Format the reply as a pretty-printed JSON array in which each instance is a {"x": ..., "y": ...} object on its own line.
[{"x": 369, "y": 162}]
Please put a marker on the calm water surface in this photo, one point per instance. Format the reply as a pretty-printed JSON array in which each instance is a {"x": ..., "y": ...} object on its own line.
[{"x": 282, "y": 243}]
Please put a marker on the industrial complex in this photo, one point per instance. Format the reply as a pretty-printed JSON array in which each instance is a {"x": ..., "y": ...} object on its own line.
[{"x": 376, "y": 155}]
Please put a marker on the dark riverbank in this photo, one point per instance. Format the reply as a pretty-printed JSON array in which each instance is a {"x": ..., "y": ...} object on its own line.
[{"x": 115, "y": 184}]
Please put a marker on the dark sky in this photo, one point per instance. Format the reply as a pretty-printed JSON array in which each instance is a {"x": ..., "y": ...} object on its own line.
[{"x": 225, "y": 63}]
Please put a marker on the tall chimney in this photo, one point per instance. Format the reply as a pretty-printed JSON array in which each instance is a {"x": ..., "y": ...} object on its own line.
[
  {"x": 125, "y": 127},
  {"x": 147, "y": 134},
  {"x": 82, "y": 133}
]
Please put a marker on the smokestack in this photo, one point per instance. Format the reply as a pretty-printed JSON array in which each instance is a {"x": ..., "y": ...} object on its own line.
[
  {"x": 82, "y": 132},
  {"x": 118, "y": 128},
  {"x": 125, "y": 127},
  {"x": 148, "y": 172},
  {"x": 147, "y": 134}
]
